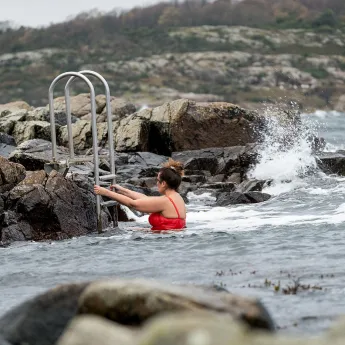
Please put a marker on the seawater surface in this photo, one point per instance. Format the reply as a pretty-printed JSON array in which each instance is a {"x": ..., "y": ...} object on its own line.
[{"x": 295, "y": 237}]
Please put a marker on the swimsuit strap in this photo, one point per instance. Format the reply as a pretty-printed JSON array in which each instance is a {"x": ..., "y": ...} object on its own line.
[{"x": 178, "y": 214}]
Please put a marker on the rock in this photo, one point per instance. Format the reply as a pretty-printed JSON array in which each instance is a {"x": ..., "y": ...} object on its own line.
[
  {"x": 256, "y": 197},
  {"x": 43, "y": 114},
  {"x": 53, "y": 207},
  {"x": 7, "y": 139},
  {"x": 6, "y": 150},
  {"x": 92, "y": 330},
  {"x": 33, "y": 154},
  {"x": 80, "y": 104},
  {"x": 235, "y": 178},
  {"x": 185, "y": 328},
  {"x": 204, "y": 125},
  {"x": 332, "y": 163},
  {"x": 220, "y": 186},
  {"x": 138, "y": 165},
  {"x": 14, "y": 228},
  {"x": 216, "y": 178},
  {"x": 185, "y": 125},
  {"x": 13, "y": 107},
  {"x": 133, "y": 133},
  {"x": 26, "y": 130},
  {"x": 42, "y": 320},
  {"x": 3, "y": 341},
  {"x": 132, "y": 302},
  {"x": 252, "y": 185},
  {"x": 232, "y": 198},
  {"x": 82, "y": 135},
  {"x": 194, "y": 179},
  {"x": 220, "y": 160},
  {"x": 120, "y": 108},
  {"x": 8, "y": 122},
  {"x": 10, "y": 174},
  {"x": 7, "y": 144}
]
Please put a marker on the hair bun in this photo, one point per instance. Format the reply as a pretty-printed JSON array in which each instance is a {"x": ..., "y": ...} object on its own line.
[{"x": 175, "y": 166}]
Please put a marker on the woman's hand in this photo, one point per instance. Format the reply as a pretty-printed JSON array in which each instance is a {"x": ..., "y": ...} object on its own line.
[
  {"x": 116, "y": 188},
  {"x": 100, "y": 190}
]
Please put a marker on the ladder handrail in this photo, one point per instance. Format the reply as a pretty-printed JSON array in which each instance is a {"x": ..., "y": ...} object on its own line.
[
  {"x": 109, "y": 117},
  {"x": 94, "y": 130}
]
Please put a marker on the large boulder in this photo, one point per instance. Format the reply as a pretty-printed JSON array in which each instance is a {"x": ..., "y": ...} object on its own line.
[
  {"x": 52, "y": 207},
  {"x": 132, "y": 302},
  {"x": 186, "y": 125}
]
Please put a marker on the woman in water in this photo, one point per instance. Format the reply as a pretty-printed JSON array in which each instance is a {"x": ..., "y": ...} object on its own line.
[{"x": 167, "y": 212}]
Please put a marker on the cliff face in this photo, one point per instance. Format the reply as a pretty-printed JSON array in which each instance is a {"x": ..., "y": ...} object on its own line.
[{"x": 208, "y": 63}]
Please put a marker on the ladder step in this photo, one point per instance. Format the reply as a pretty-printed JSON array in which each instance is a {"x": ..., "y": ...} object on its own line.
[
  {"x": 109, "y": 203},
  {"x": 84, "y": 159},
  {"x": 107, "y": 177}
]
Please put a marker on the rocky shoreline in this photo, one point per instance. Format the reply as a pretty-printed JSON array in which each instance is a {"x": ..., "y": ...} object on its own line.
[{"x": 217, "y": 142}]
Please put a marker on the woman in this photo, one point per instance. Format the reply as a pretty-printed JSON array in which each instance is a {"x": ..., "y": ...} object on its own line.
[{"x": 168, "y": 212}]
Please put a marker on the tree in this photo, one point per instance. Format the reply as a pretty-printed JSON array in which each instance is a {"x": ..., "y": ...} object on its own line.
[
  {"x": 171, "y": 16},
  {"x": 326, "y": 18}
]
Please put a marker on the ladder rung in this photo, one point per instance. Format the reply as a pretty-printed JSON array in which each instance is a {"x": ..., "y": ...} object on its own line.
[
  {"x": 84, "y": 159},
  {"x": 107, "y": 177},
  {"x": 108, "y": 203}
]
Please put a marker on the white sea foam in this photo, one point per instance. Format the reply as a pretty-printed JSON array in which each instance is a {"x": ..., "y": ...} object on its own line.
[{"x": 285, "y": 156}]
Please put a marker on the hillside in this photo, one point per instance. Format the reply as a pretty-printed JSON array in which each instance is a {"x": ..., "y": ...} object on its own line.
[{"x": 293, "y": 51}]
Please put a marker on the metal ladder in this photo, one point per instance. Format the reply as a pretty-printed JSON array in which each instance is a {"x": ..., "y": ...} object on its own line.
[{"x": 65, "y": 164}]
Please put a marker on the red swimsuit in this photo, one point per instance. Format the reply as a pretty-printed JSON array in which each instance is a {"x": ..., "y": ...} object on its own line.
[{"x": 159, "y": 222}]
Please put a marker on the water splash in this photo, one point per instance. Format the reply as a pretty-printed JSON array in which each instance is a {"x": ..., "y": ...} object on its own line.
[{"x": 286, "y": 152}]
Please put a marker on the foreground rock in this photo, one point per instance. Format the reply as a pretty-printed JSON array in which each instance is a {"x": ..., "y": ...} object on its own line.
[
  {"x": 110, "y": 304},
  {"x": 186, "y": 328},
  {"x": 42, "y": 320},
  {"x": 133, "y": 302},
  {"x": 142, "y": 312}
]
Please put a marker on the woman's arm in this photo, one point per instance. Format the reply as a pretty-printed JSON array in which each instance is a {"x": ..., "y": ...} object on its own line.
[
  {"x": 127, "y": 192},
  {"x": 149, "y": 204}
]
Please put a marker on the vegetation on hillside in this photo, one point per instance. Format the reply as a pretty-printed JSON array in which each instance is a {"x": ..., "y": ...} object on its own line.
[{"x": 167, "y": 27}]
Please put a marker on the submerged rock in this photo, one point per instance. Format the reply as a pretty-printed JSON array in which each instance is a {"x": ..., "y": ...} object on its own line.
[
  {"x": 233, "y": 198},
  {"x": 332, "y": 163}
]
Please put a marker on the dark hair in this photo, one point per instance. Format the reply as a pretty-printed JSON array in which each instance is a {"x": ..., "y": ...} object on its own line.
[{"x": 172, "y": 173}]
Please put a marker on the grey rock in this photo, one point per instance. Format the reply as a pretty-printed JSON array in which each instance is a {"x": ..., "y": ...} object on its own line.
[
  {"x": 42, "y": 320},
  {"x": 132, "y": 302}
]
